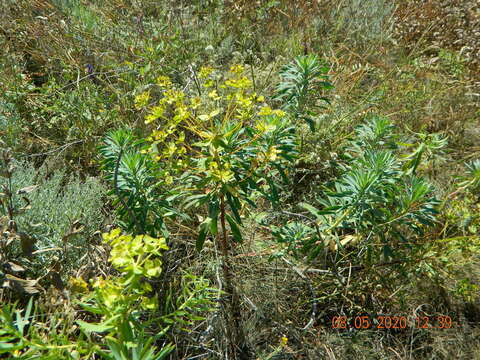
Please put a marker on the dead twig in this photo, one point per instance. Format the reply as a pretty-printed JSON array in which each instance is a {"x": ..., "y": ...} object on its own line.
[
  {"x": 312, "y": 292},
  {"x": 59, "y": 149}
]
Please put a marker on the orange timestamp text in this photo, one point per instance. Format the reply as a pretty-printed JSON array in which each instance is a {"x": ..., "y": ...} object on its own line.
[{"x": 386, "y": 322}]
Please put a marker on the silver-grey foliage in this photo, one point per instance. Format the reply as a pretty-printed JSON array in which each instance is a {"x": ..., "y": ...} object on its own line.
[{"x": 59, "y": 200}]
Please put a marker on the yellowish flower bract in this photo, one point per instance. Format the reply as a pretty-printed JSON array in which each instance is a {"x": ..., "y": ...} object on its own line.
[
  {"x": 209, "y": 83},
  {"x": 195, "y": 102},
  {"x": 77, "y": 284},
  {"x": 164, "y": 81},
  {"x": 214, "y": 95},
  {"x": 265, "y": 111},
  {"x": 135, "y": 257},
  {"x": 155, "y": 113},
  {"x": 240, "y": 83},
  {"x": 237, "y": 69},
  {"x": 141, "y": 100},
  {"x": 205, "y": 71}
]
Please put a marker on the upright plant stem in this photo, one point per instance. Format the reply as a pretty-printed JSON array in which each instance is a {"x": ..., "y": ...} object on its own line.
[{"x": 236, "y": 340}]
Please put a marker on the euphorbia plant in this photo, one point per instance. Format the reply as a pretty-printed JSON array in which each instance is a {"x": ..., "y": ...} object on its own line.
[
  {"x": 128, "y": 305},
  {"x": 225, "y": 147},
  {"x": 121, "y": 300}
]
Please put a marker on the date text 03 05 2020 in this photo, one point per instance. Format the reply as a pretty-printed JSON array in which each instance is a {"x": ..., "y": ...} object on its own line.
[{"x": 391, "y": 322}]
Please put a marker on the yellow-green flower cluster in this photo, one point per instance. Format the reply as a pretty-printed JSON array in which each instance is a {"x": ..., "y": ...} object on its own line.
[
  {"x": 238, "y": 80},
  {"x": 174, "y": 105},
  {"x": 237, "y": 69},
  {"x": 240, "y": 83},
  {"x": 205, "y": 72},
  {"x": 267, "y": 110},
  {"x": 134, "y": 254},
  {"x": 221, "y": 173},
  {"x": 205, "y": 116},
  {"x": 112, "y": 294},
  {"x": 137, "y": 258},
  {"x": 164, "y": 81},
  {"x": 141, "y": 100},
  {"x": 78, "y": 285},
  {"x": 109, "y": 292},
  {"x": 171, "y": 96}
]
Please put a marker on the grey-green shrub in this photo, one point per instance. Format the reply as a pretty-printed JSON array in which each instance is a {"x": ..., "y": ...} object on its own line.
[
  {"x": 57, "y": 202},
  {"x": 10, "y": 123}
]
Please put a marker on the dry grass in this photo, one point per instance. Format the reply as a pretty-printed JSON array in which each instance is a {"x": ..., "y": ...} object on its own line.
[{"x": 431, "y": 25}]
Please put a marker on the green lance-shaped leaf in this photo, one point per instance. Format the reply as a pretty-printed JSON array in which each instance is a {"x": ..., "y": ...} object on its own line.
[
  {"x": 204, "y": 227},
  {"x": 237, "y": 234},
  {"x": 213, "y": 211},
  {"x": 9, "y": 347},
  {"x": 235, "y": 205},
  {"x": 100, "y": 327}
]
